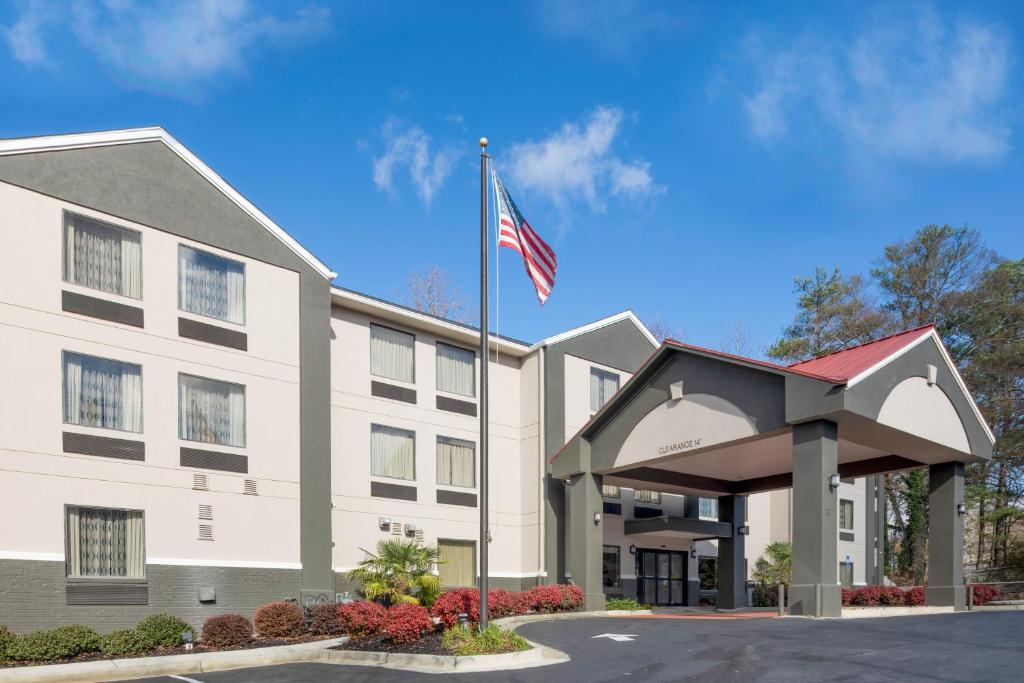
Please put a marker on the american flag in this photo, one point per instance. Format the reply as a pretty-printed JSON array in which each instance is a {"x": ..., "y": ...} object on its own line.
[{"x": 515, "y": 233}]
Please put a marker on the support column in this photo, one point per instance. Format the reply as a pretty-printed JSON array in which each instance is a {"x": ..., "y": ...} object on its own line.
[
  {"x": 554, "y": 530},
  {"x": 945, "y": 536},
  {"x": 732, "y": 592},
  {"x": 586, "y": 537},
  {"x": 815, "y": 591},
  {"x": 691, "y": 510}
]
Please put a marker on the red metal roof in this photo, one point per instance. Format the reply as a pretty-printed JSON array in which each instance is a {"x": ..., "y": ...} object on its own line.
[{"x": 844, "y": 365}]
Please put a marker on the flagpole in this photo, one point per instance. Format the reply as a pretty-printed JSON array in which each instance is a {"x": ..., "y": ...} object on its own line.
[{"x": 484, "y": 362}]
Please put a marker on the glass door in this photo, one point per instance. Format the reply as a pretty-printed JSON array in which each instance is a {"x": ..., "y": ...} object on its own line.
[{"x": 661, "y": 576}]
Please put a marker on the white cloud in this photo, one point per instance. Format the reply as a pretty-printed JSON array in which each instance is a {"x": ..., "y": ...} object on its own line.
[
  {"x": 167, "y": 45},
  {"x": 906, "y": 87},
  {"x": 409, "y": 148},
  {"x": 617, "y": 28},
  {"x": 577, "y": 162}
]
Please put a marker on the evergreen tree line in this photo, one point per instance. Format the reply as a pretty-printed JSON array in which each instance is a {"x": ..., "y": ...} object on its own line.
[{"x": 945, "y": 276}]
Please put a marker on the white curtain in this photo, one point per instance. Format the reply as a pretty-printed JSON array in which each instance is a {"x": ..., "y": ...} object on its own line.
[
  {"x": 102, "y": 393},
  {"x": 456, "y": 370},
  {"x": 105, "y": 542},
  {"x": 610, "y": 491},
  {"x": 392, "y": 452},
  {"x": 210, "y": 285},
  {"x": 456, "y": 462},
  {"x": 456, "y": 563},
  {"x": 708, "y": 507},
  {"x": 602, "y": 386},
  {"x": 211, "y": 411},
  {"x": 102, "y": 256},
  {"x": 653, "y": 497},
  {"x": 391, "y": 354}
]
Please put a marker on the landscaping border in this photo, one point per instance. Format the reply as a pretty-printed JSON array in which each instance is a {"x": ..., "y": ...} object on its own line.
[{"x": 141, "y": 667}]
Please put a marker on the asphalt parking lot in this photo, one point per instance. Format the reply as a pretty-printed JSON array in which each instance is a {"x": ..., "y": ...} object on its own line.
[{"x": 947, "y": 647}]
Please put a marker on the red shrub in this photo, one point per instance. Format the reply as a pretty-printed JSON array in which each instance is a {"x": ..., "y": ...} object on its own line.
[
  {"x": 847, "y": 598},
  {"x": 914, "y": 597},
  {"x": 891, "y": 596},
  {"x": 362, "y": 619},
  {"x": 280, "y": 620},
  {"x": 326, "y": 621},
  {"x": 407, "y": 623},
  {"x": 227, "y": 630},
  {"x": 868, "y": 596},
  {"x": 984, "y": 594},
  {"x": 447, "y": 608},
  {"x": 556, "y": 598},
  {"x": 503, "y": 603}
]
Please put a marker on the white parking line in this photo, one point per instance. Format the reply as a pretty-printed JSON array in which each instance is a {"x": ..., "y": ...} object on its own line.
[{"x": 186, "y": 679}]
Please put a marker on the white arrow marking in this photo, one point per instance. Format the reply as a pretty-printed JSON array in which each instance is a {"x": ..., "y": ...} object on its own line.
[{"x": 617, "y": 637}]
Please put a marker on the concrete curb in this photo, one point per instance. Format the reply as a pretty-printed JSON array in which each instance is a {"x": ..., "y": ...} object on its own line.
[
  {"x": 875, "y": 612},
  {"x": 516, "y": 622},
  {"x": 437, "y": 664},
  {"x": 141, "y": 667}
]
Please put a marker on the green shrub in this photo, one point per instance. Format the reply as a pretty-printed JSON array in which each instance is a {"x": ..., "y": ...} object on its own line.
[
  {"x": 162, "y": 630},
  {"x": 124, "y": 642},
  {"x": 490, "y": 641},
  {"x": 625, "y": 604},
  {"x": 6, "y": 638},
  {"x": 62, "y": 642}
]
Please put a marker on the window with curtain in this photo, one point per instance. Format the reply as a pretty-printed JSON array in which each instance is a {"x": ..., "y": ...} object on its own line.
[
  {"x": 456, "y": 370},
  {"x": 392, "y": 354},
  {"x": 211, "y": 411},
  {"x": 610, "y": 565},
  {"x": 609, "y": 491},
  {"x": 846, "y": 515},
  {"x": 102, "y": 256},
  {"x": 102, "y": 393},
  {"x": 392, "y": 452},
  {"x": 846, "y": 574},
  {"x": 709, "y": 508},
  {"x": 653, "y": 497},
  {"x": 210, "y": 285},
  {"x": 456, "y": 462},
  {"x": 103, "y": 542},
  {"x": 707, "y": 573},
  {"x": 456, "y": 563},
  {"x": 602, "y": 385}
]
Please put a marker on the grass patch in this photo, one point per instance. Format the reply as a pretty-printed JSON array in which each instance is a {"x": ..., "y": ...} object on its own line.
[
  {"x": 490, "y": 641},
  {"x": 625, "y": 604}
]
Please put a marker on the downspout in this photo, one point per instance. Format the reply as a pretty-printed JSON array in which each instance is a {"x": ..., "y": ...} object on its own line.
[{"x": 542, "y": 496}]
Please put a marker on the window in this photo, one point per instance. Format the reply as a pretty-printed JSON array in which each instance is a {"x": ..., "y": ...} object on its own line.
[
  {"x": 846, "y": 515},
  {"x": 456, "y": 370},
  {"x": 456, "y": 563},
  {"x": 652, "y": 497},
  {"x": 708, "y": 508},
  {"x": 707, "y": 572},
  {"x": 102, "y": 393},
  {"x": 211, "y": 411},
  {"x": 102, "y": 256},
  {"x": 456, "y": 462},
  {"x": 612, "y": 554},
  {"x": 391, "y": 354},
  {"x": 210, "y": 285},
  {"x": 392, "y": 452},
  {"x": 103, "y": 542},
  {"x": 846, "y": 574},
  {"x": 602, "y": 385},
  {"x": 609, "y": 491}
]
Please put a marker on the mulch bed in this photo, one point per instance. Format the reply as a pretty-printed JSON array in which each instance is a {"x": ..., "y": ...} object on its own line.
[
  {"x": 180, "y": 650},
  {"x": 427, "y": 645}
]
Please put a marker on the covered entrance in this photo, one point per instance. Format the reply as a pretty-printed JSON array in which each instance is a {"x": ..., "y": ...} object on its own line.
[{"x": 706, "y": 424}]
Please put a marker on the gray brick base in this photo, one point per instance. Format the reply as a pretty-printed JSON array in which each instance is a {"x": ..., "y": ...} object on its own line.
[{"x": 32, "y": 595}]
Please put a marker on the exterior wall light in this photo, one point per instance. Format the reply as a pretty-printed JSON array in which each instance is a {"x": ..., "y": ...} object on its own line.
[
  {"x": 693, "y": 553},
  {"x": 597, "y": 518},
  {"x": 833, "y": 481},
  {"x": 961, "y": 509},
  {"x": 632, "y": 549},
  {"x": 743, "y": 530},
  {"x": 410, "y": 530},
  {"x": 384, "y": 523}
]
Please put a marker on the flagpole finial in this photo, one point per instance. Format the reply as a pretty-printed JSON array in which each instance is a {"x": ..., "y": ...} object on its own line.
[{"x": 483, "y": 143}]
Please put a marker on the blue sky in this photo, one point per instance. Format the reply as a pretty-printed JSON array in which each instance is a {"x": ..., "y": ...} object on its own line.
[{"x": 686, "y": 161}]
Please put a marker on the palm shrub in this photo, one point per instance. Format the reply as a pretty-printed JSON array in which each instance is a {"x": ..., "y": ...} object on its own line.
[
  {"x": 400, "y": 572},
  {"x": 775, "y": 566}
]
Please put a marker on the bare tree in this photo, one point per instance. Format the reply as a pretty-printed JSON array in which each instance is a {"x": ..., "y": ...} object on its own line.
[
  {"x": 662, "y": 329},
  {"x": 739, "y": 341},
  {"x": 432, "y": 291}
]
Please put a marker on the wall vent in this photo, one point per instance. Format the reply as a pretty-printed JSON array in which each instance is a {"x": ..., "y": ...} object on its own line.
[
  {"x": 205, "y": 532},
  {"x": 200, "y": 483},
  {"x": 419, "y": 535},
  {"x": 396, "y": 529},
  {"x": 205, "y": 512},
  {"x": 251, "y": 489}
]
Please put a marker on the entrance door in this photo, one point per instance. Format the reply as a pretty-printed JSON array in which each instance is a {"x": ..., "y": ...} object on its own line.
[{"x": 661, "y": 577}]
